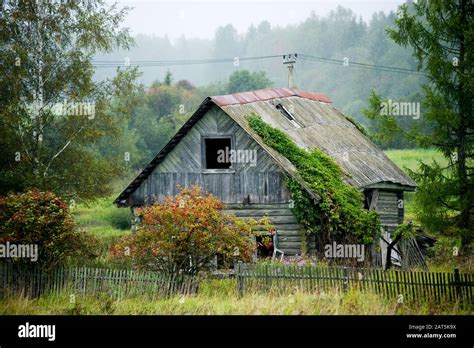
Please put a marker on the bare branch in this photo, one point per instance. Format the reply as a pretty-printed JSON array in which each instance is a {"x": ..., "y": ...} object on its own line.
[{"x": 62, "y": 149}]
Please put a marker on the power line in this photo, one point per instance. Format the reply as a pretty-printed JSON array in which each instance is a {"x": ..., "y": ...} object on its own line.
[
  {"x": 360, "y": 65},
  {"x": 306, "y": 57},
  {"x": 159, "y": 63}
]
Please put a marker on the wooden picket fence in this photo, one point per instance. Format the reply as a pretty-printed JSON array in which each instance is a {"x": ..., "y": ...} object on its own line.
[
  {"x": 405, "y": 285},
  {"x": 82, "y": 281}
]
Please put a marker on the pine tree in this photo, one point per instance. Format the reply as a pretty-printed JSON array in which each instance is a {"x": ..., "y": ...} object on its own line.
[{"x": 441, "y": 34}]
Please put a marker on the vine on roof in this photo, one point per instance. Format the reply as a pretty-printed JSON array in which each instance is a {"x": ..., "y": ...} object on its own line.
[{"x": 340, "y": 214}]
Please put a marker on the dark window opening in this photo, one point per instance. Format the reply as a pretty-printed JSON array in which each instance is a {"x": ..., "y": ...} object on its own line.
[
  {"x": 218, "y": 153},
  {"x": 264, "y": 246},
  {"x": 224, "y": 262},
  {"x": 368, "y": 198}
]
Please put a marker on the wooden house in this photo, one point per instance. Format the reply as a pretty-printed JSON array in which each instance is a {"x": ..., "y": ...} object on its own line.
[{"x": 254, "y": 189}]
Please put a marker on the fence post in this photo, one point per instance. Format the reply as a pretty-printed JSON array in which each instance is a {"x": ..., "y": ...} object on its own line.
[
  {"x": 346, "y": 278},
  {"x": 457, "y": 283},
  {"x": 398, "y": 284},
  {"x": 266, "y": 277},
  {"x": 240, "y": 285}
]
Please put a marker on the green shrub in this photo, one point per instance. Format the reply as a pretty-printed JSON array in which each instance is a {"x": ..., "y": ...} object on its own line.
[
  {"x": 42, "y": 219},
  {"x": 119, "y": 218},
  {"x": 445, "y": 250}
]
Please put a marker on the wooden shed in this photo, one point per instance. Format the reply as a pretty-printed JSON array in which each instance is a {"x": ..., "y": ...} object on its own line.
[{"x": 254, "y": 188}]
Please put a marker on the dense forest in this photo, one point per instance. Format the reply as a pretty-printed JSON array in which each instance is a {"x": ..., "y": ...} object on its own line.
[{"x": 338, "y": 35}]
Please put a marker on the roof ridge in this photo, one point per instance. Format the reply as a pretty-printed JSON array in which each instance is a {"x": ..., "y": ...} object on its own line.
[{"x": 266, "y": 94}]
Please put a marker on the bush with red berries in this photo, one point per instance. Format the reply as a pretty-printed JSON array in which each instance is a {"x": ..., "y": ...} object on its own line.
[
  {"x": 184, "y": 233},
  {"x": 42, "y": 219}
]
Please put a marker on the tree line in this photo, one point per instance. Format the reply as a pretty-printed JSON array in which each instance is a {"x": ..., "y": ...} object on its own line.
[{"x": 109, "y": 128}]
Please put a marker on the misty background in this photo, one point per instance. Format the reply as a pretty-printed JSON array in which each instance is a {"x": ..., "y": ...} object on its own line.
[{"x": 354, "y": 30}]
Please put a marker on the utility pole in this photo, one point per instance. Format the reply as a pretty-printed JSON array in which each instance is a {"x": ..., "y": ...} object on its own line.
[{"x": 289, "y": 60}]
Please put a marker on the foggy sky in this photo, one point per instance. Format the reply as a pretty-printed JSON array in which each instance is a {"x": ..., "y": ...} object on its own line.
[{"x": 198, "y": 19}]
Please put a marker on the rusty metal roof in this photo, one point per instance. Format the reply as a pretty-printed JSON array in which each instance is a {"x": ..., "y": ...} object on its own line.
[{"x": 266, "y": 94}]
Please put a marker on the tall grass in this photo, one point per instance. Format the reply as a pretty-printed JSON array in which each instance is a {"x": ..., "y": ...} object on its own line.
[
  {"x": 102, "y": 213},
  {"x": 219, "y": 297},
  {"x": 107, "y": 223}
]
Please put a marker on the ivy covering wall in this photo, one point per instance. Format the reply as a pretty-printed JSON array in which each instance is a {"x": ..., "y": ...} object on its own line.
[{"x": 340, "y": 214}]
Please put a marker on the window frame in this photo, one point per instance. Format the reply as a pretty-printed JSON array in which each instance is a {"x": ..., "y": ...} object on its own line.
[{"x": 230, "y": 136}]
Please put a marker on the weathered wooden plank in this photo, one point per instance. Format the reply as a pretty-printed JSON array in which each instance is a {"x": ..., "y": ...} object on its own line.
[
  {"x": 254, "y": 206},
  {"x": 259, "y": 212},
  {"x": 264, "y": 182},
  {"x": 288, "y": 227},
  {"x": 289, "y": 238}
]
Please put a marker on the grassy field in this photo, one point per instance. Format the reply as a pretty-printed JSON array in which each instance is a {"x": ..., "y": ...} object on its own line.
[
  {"x": 410, "y": 158},
  {"x": 102, "y": 217},
  {"x": 106, "y": 222},
  {"x": 220, "y": 297}
]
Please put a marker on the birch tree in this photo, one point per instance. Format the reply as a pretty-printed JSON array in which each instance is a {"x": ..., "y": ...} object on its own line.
[{"x": 52, "y": 112}]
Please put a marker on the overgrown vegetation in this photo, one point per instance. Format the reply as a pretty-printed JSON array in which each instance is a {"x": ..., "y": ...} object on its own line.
[
  {"x": 42, "y": 219},
  {"x": 99, "y": 219},
  {"x": 185, "y": 232},
  {"x": 340, "y": 213},
  {"x": 219, "y": 297}
]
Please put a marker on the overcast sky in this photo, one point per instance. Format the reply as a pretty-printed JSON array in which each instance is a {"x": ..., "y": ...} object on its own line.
[{"x": 200, "y": 19}]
